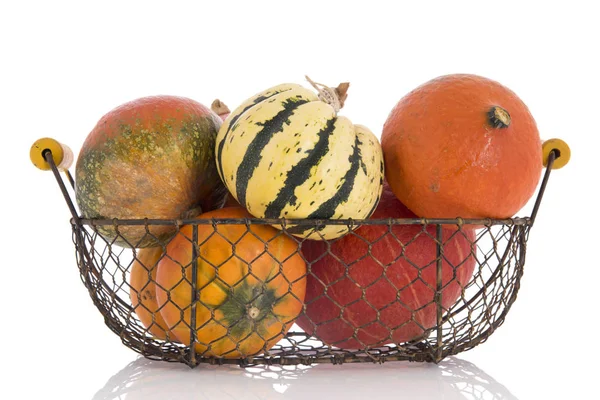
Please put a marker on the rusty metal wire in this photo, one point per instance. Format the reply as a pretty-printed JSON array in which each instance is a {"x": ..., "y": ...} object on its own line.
[{"x": 496, "y": 252}]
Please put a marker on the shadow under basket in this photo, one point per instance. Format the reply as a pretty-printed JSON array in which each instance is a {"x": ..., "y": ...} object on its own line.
[{"x": 495, "y": 250}]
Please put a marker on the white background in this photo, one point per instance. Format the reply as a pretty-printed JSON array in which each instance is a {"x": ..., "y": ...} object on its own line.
[{"x": 63, "y": 65}]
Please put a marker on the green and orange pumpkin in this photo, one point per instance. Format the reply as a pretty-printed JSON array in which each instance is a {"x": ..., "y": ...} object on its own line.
[{"x": 152, "y": 157}]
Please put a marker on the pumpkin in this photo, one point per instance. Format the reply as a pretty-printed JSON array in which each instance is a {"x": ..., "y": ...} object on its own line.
[
  {"x": 142, "y": 292},
  {"x": 285, "y": 153},
  {"x": 151, "y": 157},
  {"x": 462, "y": 146},
  {"x": 251, "y": 284},
  {"x": 366, "y": 290}
]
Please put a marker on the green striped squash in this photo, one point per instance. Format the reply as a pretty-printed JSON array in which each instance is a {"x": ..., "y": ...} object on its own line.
[{"x": 284, "y": 153}]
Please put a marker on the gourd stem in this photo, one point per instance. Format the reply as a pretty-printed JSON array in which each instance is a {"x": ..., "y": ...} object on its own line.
[
  {"x": 253, "y": 312},
  {"x": 219, "y": 108},
  {"x": 335, "y": 97},
  {"x": 499, "y": 117}
]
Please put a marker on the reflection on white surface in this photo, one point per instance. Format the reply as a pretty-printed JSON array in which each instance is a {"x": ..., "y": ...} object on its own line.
[{"x": 453, "y": 378}]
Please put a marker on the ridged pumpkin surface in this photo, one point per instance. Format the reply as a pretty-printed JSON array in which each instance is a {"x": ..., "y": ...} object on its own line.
[
  {"x": 251, "y": 285},
  {"x": 149, "y": 158},
  {"x": 448, "y": 155},
  {"x": 285, "y": 154}
]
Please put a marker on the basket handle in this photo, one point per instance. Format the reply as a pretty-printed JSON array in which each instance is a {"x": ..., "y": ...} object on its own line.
[
  {"x": 561, "y": 150},
  {"x": 61, "y": 154},
  {"x": 555, "y": 155},
  {"x": 49, "y": 154}
]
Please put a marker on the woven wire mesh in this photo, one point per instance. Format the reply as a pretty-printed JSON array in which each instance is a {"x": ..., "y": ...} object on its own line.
[{"x": 428, "y": 329}]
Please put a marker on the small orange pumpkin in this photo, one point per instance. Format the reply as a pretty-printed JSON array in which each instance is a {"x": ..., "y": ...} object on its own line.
[
  {"x": 462, "y": 146},
  {"x": 143, "y": 291},
  {"x": 251, "y": 282}
]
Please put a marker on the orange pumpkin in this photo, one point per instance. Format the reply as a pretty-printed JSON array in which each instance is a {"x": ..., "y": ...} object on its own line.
[
  {"x": 248, "y": 298},
  {"x": 143, "y": 291},
  {"x": 462, "y": 146}
]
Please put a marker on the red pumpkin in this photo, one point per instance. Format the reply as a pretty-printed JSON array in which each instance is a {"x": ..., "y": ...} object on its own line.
[
  {"x": 343, "y": 300},
  {"x": 462, "y": 146},
  {"x": 149, "y": 158}
]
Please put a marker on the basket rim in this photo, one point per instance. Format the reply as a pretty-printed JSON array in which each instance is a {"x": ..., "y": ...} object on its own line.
[{"x": 283, "y": 222}]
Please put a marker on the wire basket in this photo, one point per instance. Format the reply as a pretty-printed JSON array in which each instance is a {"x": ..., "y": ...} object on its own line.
[{"x": 353, "y": 319}]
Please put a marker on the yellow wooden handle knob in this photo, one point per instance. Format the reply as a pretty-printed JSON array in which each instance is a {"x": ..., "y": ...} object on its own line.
[
  {"x": 563, "y": 156},
  {"x": 62, "y": 154}
]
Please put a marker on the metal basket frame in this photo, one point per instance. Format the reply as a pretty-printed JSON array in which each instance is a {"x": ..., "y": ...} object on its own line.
[{"x": 299, "y": 347}]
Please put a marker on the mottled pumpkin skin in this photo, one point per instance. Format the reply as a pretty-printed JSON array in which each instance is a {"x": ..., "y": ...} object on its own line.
[
  {"x": 149, "y": 158},
  {"x": 443, "y": 158},
  {"x": 248, "y": 297}
]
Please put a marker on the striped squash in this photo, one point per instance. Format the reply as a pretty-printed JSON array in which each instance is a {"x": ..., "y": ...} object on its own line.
[{"x": 284, "y": 153}]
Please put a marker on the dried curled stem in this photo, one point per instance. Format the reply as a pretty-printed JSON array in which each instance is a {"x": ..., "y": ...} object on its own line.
[{"x": 335, "y": 97}]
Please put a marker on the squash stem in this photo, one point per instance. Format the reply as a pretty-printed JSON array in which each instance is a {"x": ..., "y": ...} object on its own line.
[{"x": 499, "y": 117}]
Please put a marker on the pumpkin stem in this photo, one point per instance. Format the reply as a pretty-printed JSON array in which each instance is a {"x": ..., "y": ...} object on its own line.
[
  {"x": 219, "y": 108},
  {"x": 342, "y": 92},
  {"x": 499, "y": 117},
  {"x": 253, "y": 312},
  {"x": 335, "y": 97}
]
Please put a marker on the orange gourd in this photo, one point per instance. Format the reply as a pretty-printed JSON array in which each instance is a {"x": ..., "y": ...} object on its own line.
[
  {"x": 462, "y": 146},
  {"x": 251, "y": 284},
  {"x": 143, "y": 291}
]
